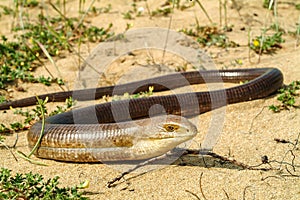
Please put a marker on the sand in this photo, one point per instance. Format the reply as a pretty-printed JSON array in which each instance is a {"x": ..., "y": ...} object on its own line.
[{"x": 248, "y": 129}]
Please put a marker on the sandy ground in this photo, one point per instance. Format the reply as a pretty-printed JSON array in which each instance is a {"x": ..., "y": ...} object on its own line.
[{"x": 249, "y": 128}]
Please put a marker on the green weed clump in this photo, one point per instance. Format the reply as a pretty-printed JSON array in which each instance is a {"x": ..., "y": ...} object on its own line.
[
  {"x": 36, "y": 40},
  {"x": 30, "y": 3},
  {"x": 132, "y": 96},
  {"x": 288, "y": 96},
  {"x": 33, "y": 186},
  {"x": 34, "y": 115},
  {"x": 16, "y": 62},
  {"x": 267, "y": 44},
  {"x": 210, "y": 36}
]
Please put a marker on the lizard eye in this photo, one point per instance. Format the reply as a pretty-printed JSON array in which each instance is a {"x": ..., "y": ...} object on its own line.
[{"x": 171, "y": 127}]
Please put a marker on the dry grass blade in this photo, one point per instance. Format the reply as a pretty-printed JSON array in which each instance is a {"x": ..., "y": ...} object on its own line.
[
  {"x": 204, "y": 10},
  {"x": 52, "y": 61}
]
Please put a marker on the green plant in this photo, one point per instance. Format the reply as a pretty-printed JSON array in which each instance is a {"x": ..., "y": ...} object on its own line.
[
  {"x": 288, "y": 96},
  {"x": 162, "y": 11},
  {"x": 169, "y": 6},
  {"x": 1, "y": 139},
  {"x": 33, "y": 186},
  {"x": 127, "y": 15},
  {"x": 34, "y": 115},
  {"x": 181, "y": 5},
  {"x": 133, "y": 96},
  {"x": 267, "y": 44},
  {"x": 6, "y": 10},
  {"x": 132, "y": 13},
  {"x": 96, "y": 10},
  {"x": 29, "y": 3},
  {"x": 15, "y": 62},
  {"x": 69, "y": 103},
  {"x": 2, "y": 99},
  {"x": 4, "y": 129},
  {"x": 39, "y": 39},
  {"x": 58, "y": 33},
  {"x": 275, "y": 27},
  {"x": 210, "y": 36}
]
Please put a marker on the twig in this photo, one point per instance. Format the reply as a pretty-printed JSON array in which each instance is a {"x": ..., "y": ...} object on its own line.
[
  {"x": 292, "y": 153},
  {"x": 283, "y": 141},
  {"x": 252, "y": 122},
  {"x": 2, "y": 143},
  {"x": 226, "y": 194},
  {"x": 200, "y": 185},
  {"x": 111, "y": 183},
  {"x": 195, "y": 195},
  {"x": 294, "y": 175},
  {"x": 235, "y": 162},
  {"x": 244, "y": 192},
  {"x": 16, "y": 141},
  {"x": 265, "y": 178},
  {"x": 201, "y": 190}
]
